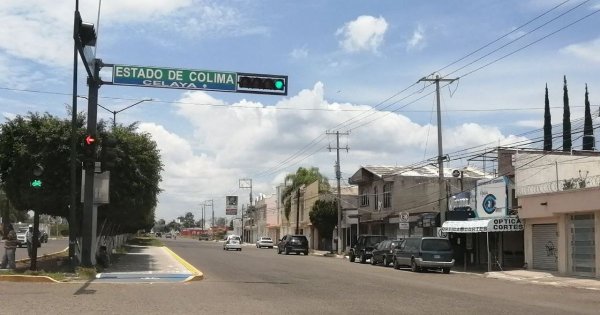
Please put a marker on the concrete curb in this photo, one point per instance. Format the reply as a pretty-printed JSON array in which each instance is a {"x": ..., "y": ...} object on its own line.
[
  {"x": 197, "y": 275},
  {"x": 32, "y": 278}
]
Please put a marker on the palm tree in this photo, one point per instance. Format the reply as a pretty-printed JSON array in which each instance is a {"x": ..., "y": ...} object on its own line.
[{"x": 303, "y": 176}]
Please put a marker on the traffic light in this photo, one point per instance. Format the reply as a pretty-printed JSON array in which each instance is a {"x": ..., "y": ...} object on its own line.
[
  {"x": 84, "y": 33},
  {"x": 262, "y": 84},
  {"x": 36, "y": 181},
  {"x": 89, "y": 148},
  {"x": 108, "y": 153}
]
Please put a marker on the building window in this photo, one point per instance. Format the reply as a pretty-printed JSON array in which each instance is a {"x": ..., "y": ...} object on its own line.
[
  {"x": 376, "y": 194},
  {"x": 364, "y": 197},
  {"x": 387, "y": 195}
]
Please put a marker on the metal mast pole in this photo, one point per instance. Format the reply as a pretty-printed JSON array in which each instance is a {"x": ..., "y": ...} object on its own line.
[
  {"x": 73, "y": 163},
  {"x": 442, "y": 204}
]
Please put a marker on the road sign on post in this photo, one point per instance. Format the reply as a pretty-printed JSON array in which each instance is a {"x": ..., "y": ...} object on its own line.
[
  {"x": 206, "y": 80},
  {"x": 172, "y": 78}
]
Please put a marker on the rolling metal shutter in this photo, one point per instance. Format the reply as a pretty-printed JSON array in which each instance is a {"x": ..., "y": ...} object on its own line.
[{"x": 545, "y": 247}]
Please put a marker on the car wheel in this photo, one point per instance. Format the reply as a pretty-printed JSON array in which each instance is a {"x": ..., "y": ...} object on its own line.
[
  {"x": 396, "y": 265},
  {"x": 287, "y": 251},
  {"x": 351, "y": 257},
  {"x": 240, "y": 249},
  {"x": 271, "y": 247},
  {"x": 305, "y": 253},
  {"x": 446, "y": 270},
  {"x": 373, "y": 262},
  {"x": 362, "y": 258},
  {"x": 414, "y": 267},
  {"x": 385, "y": 261}
]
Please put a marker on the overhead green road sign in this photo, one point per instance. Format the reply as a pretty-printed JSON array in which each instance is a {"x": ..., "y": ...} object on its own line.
[{"x": 174, "y": 78}]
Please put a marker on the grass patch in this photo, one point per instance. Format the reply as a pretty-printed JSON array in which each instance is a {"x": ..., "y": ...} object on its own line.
[
  {"x": 86, "y": 273},
  {"x": 145, "y": 241}
]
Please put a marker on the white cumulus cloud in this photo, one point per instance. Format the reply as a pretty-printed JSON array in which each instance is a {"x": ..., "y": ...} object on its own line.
[
  {"x": 363, "y": 34},
  {"x": 417, "y": 41},
  {"x": 587, "y": 50}
]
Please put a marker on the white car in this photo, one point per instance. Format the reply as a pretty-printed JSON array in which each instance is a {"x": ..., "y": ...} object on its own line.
[
  {"x": 232, "y": 244},
  {"x": 264, "y": 242}
]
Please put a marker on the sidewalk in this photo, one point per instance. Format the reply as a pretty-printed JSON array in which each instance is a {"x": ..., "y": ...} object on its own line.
[
  {"x": 545, "y": 278},
  {"x": 149, "y": 264}
]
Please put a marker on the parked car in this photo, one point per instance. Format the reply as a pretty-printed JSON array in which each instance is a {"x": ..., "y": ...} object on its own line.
[
  {"x": 168, "y": 235},
  {"x": 293, "y": 243},
  {"x": 232, "y": 244},
  {"x": 425, "y": 253},
  {"x": 384, "y": 253},
  {"x": 363, "y": 247},
  {"x": 264, "y": 242}
]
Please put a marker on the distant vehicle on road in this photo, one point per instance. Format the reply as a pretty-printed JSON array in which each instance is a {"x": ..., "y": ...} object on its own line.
[
  {"x": 264, "y": 242},
  {"x": 203, "y": 237},
  {"x": 158, "y": 234},
  {"x": 232, "y": 244},
  {"x": 21, "y": 236},
  {"x": 425, "y": 253},
  {"x": 384, "y": 253},
  {"x": 168, "y": 235},
  {"x": 363, "y": 248},
  {"x": 293, "y": 243},
  {"x": 43, "y": 237}
]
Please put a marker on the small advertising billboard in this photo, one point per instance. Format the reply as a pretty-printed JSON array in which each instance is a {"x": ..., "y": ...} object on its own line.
[{"x": 231, "y": 205}]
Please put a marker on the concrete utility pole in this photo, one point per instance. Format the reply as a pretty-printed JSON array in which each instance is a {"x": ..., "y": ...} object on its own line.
[
  {"x": 245, "y": 183},
  {"x": 440, "y": 159},
  {"x": 338, "y": 176}
]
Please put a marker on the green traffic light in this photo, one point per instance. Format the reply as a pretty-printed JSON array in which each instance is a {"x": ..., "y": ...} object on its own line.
[
  {"x": 36, "y": 183},
  {"x": 279, "y": 84}
]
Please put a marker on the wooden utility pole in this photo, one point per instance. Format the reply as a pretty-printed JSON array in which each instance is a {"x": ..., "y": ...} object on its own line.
[{"x": 442, "y": 204}]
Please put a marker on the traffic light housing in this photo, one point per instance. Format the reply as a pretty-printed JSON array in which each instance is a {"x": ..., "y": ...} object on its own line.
[
  {"x": 90, "y": 146},
  {"x": 108, "y": 153},
  {"x": 36, "y": 181},
  {"x": 262, "y": 84},
  {"x": 84, "y": 33}
]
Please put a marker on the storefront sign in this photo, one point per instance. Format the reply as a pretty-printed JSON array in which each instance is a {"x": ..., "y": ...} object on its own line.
[
  {"x": 504, "y": 224},
  {"x": 507, "y": 224},
  {"x": 491, "y": 197}
]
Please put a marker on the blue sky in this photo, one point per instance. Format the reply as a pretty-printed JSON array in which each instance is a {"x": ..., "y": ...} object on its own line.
[{"x": 343, "y": 58}]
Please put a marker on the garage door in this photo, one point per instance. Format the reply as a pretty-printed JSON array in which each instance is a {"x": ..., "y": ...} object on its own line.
[{"x": 545, "y": 247}]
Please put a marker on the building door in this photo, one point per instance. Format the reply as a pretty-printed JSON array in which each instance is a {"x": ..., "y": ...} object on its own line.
[
  {"x": 545, "y": 247},
  {"x": 583, "y": 248}
]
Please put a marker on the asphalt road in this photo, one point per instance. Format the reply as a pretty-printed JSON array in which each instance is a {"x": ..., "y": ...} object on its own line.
[
  {"x": 257, "y": 281},
  {"x": 53, "y": 246}
]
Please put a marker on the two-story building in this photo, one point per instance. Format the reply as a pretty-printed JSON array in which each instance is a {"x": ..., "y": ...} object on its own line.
[
  {"x": 559, "y": 204},
  {"x": 386, "y": 191}
]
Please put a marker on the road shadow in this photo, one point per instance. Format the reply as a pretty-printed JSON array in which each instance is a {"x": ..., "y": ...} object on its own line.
[{"x": 137, "y": 259}]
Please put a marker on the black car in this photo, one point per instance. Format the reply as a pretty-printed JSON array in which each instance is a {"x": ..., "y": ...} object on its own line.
[
  {"x": 293, "y": 243},
  {"x": 423, "y": 253},
  {"x": 384, "y": 253},
  {"x": 363, "y": 247}
]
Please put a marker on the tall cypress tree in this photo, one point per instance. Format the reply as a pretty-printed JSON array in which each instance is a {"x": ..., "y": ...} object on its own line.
[
  {"x": 547, "y": 124},
  {"x": 588, "y": 128},
  {"x": 567, "y": 144}
]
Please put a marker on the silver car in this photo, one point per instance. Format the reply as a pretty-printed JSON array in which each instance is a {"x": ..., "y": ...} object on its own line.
[{"x": 264, "y": 242}]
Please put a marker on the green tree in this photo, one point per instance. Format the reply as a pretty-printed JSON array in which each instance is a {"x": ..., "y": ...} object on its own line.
[
  {"x": 43, "y": 139},
  {"x": 187, "y": 221},
  {"x": 303, "y": 176},
  {"x": 547, "y": 124},
  {"x": 588, "y": 127},
  {"x": 323, "y": 216},
  {"x": 567, "y": 143}
]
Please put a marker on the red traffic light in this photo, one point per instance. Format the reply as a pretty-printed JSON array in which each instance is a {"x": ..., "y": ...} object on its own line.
[{"x": 89, "y": 140}]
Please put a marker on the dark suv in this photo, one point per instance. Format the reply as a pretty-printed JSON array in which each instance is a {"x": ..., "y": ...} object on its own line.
[
  {"x": 293, "y": 243},
  {"x": 425, "y": 253},
  {"x": 363, "y": 248}
]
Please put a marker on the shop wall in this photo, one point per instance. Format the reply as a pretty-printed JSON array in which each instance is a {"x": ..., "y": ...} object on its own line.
[{"x": 548, "y": 205}]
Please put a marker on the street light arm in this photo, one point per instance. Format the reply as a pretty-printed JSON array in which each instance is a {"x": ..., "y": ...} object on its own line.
[
  {"x": 106, "y": 109},
  {"x": 144, "y": 100}
]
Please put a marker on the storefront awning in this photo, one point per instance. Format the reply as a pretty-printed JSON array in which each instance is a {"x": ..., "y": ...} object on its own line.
[{"x": 503, "y": 224}]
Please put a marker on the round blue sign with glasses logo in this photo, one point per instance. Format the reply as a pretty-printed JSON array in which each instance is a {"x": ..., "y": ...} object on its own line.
[{"x": 489, "y": 204}]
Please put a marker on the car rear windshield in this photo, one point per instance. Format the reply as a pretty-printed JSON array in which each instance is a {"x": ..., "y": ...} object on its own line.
[
  {"x": 301, "y": 239},
  {"x": 374, "y": 240},
  {"x": 435, "y": 245},
  {"x": 266, "y": 238}
]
